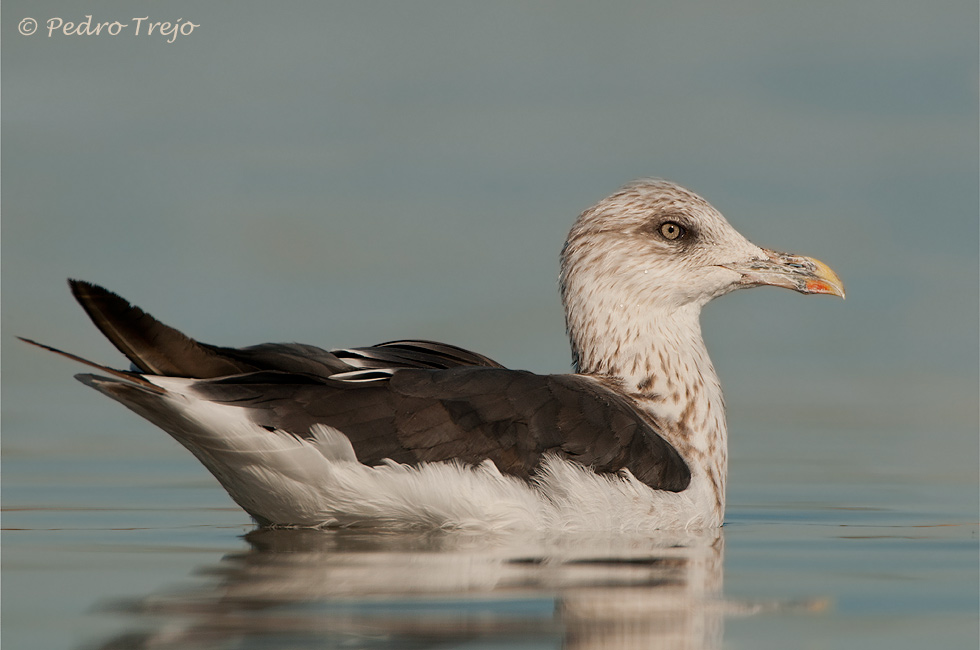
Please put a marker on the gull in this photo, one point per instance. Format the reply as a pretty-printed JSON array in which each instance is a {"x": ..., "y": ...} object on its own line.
[{"x": 420, "y": 434}]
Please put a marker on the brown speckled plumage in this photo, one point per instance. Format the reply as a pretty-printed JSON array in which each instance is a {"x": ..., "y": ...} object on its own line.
[{"x": 633, "y": 301}]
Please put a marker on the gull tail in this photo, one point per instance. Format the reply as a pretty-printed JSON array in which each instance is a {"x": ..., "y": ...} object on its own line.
[
  {"x": 131, "y": 378},
  {"x": 223, "y": 437}
]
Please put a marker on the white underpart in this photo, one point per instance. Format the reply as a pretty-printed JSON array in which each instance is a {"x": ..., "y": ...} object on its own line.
[{"x": 319, "y": 482}]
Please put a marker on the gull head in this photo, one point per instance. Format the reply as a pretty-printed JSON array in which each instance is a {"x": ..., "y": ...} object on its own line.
[{"x": 655, "y": 245}]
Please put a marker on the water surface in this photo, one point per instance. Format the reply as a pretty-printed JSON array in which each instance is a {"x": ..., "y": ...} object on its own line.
[{"x": 129, "y": 553}]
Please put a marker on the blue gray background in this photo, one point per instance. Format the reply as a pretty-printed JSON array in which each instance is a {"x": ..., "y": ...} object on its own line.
[{"x": 348, "y": 173}]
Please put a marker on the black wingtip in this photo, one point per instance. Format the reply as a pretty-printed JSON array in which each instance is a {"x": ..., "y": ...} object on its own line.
[
  {"x": 152, "y": 346},
  {"x": 77, "y": 285},
  {"x": 85, "y": 291}
]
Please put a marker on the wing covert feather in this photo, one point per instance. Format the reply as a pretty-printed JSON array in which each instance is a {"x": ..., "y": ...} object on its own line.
[{"x": 512, "y": 417}]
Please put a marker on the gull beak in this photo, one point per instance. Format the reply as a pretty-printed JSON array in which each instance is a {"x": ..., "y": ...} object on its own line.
[{"x": 803, "y": 274}]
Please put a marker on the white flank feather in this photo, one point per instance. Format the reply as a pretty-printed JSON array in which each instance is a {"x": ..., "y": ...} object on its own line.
[{"x": 318, "y": 482}]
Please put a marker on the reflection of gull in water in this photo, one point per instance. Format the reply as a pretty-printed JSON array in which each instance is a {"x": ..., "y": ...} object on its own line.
[{"x": 412, "y": 590}]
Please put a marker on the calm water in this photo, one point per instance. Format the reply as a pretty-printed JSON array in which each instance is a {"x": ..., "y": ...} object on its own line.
[
  {"x": 348, "y": 173},
  {"x": 132, "y": 545}
]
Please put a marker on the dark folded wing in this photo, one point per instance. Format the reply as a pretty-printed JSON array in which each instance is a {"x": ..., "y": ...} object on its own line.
[
  {"x": 409, "y": 401},
  {"x": 468, "y": 413},
  {"x": 159, "y": 349}
]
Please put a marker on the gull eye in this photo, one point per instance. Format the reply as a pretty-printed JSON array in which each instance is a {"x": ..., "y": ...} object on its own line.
[{"x": 672, "y": 230}]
